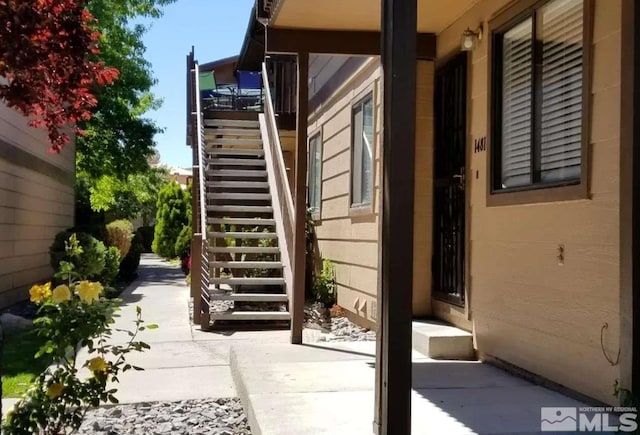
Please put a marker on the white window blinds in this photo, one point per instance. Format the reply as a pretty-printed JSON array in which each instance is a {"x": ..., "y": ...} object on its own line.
[
  {"x": 561, "y": 135},
  {"x": 540, "y": 97},
  {"x": 517, "y": 119}
]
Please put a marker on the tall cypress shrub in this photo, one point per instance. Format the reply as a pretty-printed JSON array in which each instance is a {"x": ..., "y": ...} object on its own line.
[{"x": 174, "y": 208}]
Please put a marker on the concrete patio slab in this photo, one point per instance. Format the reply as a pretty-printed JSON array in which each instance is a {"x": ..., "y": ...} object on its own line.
[{"x": 288, "y": 390}]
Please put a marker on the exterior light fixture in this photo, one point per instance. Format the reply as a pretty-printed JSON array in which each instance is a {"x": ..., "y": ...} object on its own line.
[{"x": 470, "y": 39}]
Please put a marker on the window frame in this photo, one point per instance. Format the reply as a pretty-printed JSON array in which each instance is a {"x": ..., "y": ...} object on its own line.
[
  {"x": 315, "y": 212},
  {"x": 539, "y": 192},
  {"x": 367, "y": 208}
]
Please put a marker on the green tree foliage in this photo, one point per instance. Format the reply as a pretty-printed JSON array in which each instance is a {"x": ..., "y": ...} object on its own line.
[
  {"x": 174, "y": 209},
  {"x": 124, "y": 198},
  {"x": 112, "y": 157}
]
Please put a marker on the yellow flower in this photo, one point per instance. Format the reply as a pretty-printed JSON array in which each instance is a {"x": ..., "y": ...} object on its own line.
[
  {"x": 40, "y": 292},
  {"x": 88, "y": 291},
  {"x": 97, "y": 364},
  {"x": 61, "y": 294},
  {"x": 54, "y": 390}
]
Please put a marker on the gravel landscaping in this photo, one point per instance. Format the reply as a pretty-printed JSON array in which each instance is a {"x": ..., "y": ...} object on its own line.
[
  {"x": 333, "y": 325},
  {"x": 197, "y": 417}
]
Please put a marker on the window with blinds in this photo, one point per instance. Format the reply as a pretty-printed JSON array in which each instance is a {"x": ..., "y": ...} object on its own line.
[
  {"x": 315, "y": 173},
  {"x": 540, "y": 67},
  {"x": 362, "y": 152}
]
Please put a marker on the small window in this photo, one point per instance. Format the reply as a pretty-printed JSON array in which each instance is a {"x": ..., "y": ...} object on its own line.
[
  {"x": 315, "y": 174},
  {"x": 362, "y": 152},
  {"x": 539, "y": 77}
]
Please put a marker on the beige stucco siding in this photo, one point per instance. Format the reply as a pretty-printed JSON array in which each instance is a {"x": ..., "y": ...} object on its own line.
[
  {"x": 36, "y": 202},
  {"x": 526, "y": 308}
]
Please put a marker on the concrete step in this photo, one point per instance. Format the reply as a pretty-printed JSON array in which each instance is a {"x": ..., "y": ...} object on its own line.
[
  {"x": 234, "y": 123},
  {"x": 251, "y": 132},
  {"x": 241, "y": 235},
  {"x": 237, "y": 162},
  {"x": 236, "y": 173},
  {"x": 249, "y": 297},
  {"x": 247, "y": 264},
  {"x": 240, "y": 196},
  {"x": 249, "y": 209},
  {"x": 233, "y": 141},
  {"x": 238, "y": 184},
  {"x": 251, "y": 315},
  {"x": 236, "y": 152},
  {"x": 247, "y": 281},
  {"x": 240, "y": 221},
  {"x": 441, "y": 341},
  {"x": 244, "y": 250}
]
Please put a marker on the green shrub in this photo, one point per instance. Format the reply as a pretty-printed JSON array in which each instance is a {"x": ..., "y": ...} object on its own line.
[
  {"x": 129, "y": 264},
  {"x": 174, "y": 208},
  {"x": 324, "y": 285},
  {"x": 111, "y": 265},
  {"x": 119, "y": 234},
  {"x": 88, "y": 264},
  {"x": 183, "y": 244},
  {"x": 145, "y": 234}
]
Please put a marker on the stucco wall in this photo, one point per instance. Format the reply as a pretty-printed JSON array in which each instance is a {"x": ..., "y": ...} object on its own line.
[
  {"x": 36, "y": 202},
  {"x": 526, "y": 308}
]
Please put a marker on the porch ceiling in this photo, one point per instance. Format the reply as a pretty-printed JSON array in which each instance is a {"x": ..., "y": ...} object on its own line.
[{"x": 433, "y": 15}]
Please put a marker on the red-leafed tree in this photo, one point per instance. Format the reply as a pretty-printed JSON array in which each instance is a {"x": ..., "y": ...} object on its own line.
[{"x": 47, "y": 74}]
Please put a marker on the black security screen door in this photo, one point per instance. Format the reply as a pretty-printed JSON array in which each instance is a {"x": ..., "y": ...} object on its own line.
[{"x": 449, "y": 183}]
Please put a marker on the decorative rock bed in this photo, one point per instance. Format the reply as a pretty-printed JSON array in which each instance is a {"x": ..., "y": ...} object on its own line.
[
  {"x": 333, "y": 325},
  {"x": 193, "y": 417}
]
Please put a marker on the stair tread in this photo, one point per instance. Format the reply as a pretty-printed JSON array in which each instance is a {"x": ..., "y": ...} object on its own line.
[
  {"x": 232, "y": 141},
  {"x": 244, "y": 249},
  {"x": 248, "y": 264},
  {"x": 241, "y": 208},
  {"x": 238, "y": 184},
  {"x": 249, "y": 297},
  {"x": 242, "y": 235},
  {"x": 226, "y": 131},
  {"x": 240, "y": 221},
  {"x": 237, "y": 173},
  {"x": 247, "y": 281},
  {"x": 237, "y": 151},
  {"x": 240, "y": 196},
  {"x": 251, "y": 315},
  {"x": 236, "y": 162},
  {"x": 231, "y": 123}
]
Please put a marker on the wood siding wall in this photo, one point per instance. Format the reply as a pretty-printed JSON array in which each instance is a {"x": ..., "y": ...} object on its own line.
[
  {"x": 526, "y": 308},
  {"x": 350, "y": 241},
  {"x": 36, "y": 202}
]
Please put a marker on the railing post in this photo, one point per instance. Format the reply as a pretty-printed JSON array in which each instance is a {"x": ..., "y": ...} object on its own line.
[
  {"x": 196, "y": 277},
  {"x": 297, "y": 304}
]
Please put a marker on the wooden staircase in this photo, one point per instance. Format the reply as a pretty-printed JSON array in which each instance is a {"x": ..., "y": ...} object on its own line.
[{"x": 246, "y": 278}]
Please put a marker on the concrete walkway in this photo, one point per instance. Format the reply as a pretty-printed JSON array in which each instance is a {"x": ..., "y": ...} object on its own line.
[{"x": 323, "y": 388}]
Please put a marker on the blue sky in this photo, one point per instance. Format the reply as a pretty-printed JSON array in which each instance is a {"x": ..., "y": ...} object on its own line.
[{"x": 216, "y": 28}]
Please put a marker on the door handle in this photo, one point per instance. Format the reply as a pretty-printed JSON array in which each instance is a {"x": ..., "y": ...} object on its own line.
[{"x": 460, "y": 178}]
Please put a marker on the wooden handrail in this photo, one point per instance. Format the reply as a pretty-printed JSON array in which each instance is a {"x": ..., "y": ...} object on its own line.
[
  {"x": 283, "y": 210},
  {"x": 203, "y": 264}
]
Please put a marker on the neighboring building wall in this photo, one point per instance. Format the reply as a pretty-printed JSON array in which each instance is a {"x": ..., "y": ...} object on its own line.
[
  {"x": 526, "y": 308},
  {"x": 350, "y": 242},
  {"x": 36, "y": 202}
]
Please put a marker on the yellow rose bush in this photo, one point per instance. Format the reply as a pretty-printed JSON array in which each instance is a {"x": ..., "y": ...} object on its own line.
[{"x": 75, "y": 319}]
